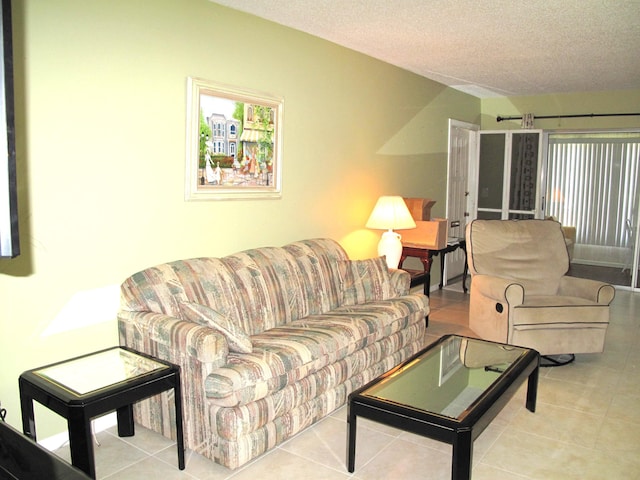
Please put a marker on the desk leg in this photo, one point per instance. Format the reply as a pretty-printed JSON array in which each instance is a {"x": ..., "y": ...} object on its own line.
[
  {"x": 427, "y": 287},
  {"x": 81, "y": 442},
  {"x": 426, "y": 265},
  {"x": 465, "y": 273}
]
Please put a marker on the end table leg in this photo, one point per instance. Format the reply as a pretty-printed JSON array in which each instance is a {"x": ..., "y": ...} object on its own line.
[
  {"x": 28, "y": 418},
  {"x": 351, "y": 441},
  {"x": 179, "y": 428},
  {"x": 126, "y": 427},
  {"x": 81, "y": 444}
]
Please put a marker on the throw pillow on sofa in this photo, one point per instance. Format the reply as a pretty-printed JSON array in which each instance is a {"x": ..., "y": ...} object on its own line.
[
  {"x": 237, "y": 338},
  {"x": 365, "y": 281}
]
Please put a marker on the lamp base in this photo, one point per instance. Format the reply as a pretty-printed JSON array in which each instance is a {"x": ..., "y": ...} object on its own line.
[{"x": 391, "y": 247}]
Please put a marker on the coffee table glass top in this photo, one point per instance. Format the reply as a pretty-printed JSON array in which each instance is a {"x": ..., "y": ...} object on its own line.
[
  {"x": 115, "y": 366},
  {"x": 448, "y": 378}
]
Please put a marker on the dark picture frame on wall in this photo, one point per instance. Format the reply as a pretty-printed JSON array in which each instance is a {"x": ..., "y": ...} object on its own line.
[
  {"x": 9, "y": 236},
  {"x": 234, "y": 142}
]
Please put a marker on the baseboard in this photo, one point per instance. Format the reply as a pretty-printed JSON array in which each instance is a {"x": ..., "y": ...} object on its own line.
[{"x": 99, "y": 424}]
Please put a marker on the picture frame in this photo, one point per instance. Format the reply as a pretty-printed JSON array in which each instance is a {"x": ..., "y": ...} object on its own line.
[
  {"x": 9, "y": 225},
  {"x": 234, "y": 143}
]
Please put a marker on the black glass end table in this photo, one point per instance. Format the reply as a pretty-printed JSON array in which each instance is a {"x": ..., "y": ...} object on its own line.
[
  {"x": 85, "y": 387},
  {"x": 21, "y": 457},
  {"x": 450, "y": 392}
]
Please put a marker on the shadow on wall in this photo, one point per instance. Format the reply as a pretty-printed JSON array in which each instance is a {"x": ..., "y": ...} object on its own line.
[{"x": 427, "y": 131}]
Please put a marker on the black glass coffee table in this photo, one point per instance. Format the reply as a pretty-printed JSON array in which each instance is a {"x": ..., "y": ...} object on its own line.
[
  {"x": 85, "y": 387},
  {"x": 450, "y": 392}
]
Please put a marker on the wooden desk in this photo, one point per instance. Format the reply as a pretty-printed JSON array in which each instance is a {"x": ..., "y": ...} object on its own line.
[{"x": 426, "y": 255}]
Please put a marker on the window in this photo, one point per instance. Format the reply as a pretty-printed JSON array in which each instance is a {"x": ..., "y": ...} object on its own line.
[
  {"x": 218, "y": 147},
  {"x": 592, "y": 184}
]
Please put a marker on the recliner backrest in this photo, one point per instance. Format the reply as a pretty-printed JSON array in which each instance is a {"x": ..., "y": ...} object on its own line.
[{"x": 532, "y": 252}]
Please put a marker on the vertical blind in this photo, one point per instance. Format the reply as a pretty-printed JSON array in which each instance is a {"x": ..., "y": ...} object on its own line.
[{"x": 592, "y": 183}]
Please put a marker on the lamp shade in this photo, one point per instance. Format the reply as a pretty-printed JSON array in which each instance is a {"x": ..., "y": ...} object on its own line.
[{"x": 390, "y": 213}]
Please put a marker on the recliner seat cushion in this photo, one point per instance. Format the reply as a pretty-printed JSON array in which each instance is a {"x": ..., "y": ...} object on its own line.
[{"x": 556, "y": 312}]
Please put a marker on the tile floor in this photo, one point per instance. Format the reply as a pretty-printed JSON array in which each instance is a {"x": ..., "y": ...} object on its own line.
[{"x": 586, "y": 426}]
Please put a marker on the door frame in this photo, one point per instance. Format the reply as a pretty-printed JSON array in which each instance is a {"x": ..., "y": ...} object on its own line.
[{"x": 455, "y": 260}]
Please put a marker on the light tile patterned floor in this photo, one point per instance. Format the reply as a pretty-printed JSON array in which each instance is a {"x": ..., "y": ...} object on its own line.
[{"x": 587, "y": 426}]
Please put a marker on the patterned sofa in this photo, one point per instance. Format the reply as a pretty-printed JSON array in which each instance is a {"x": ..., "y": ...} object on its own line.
[{"x": 270, "y": 340}]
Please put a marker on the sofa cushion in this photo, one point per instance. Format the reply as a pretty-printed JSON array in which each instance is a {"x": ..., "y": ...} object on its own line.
[
  {"x": 237, "y": 339},
  {"x": 318, "y": 261},
  {"x": 365, "y": 281},
  {"x": 361, "y": 367},
  {"x": 287, "y": 354}
]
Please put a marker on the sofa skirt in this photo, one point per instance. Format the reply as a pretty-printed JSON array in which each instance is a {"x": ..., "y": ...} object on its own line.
[
  {"x": 233, "y": 436},
  {"x": 237, "y": 452}
]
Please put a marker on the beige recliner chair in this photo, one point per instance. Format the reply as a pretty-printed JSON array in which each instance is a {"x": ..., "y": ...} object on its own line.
[{"x": 520, "y": 293}]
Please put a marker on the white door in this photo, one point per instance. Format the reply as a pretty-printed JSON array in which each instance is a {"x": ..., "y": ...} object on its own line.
[{"x": 462, "y": 157}]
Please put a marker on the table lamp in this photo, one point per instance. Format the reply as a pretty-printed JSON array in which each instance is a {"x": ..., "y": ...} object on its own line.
[{"x": 390, "y": 213}]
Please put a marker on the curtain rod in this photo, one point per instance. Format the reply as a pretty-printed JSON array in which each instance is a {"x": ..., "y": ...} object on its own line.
[{"x": 500, "y": 119}]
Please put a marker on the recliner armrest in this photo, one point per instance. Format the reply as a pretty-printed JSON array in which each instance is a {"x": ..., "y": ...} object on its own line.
[
  {"x": 599, "y": 292},
  {"x": 499, "y": 289}
]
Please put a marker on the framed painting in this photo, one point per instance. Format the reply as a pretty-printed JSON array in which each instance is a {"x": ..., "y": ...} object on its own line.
[{"x": 234, "y": 143}]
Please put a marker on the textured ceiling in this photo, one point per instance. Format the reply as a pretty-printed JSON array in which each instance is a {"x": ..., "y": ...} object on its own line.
[{"x": 487, "y": 47}]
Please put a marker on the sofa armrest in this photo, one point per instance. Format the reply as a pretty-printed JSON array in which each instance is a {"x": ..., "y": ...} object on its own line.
[
  {"x": 400, "y": 281},
  {"x": 502, "y": 290},
  {"x": 196, "y": 349},
  {"x": 599, "y": 292},
  {"x": 183, "y": 338}
]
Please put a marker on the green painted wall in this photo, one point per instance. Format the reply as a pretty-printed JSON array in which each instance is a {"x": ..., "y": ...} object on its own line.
[
  {"x": 101, "y": 121},
  {"x": 621, "y": 101}
]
